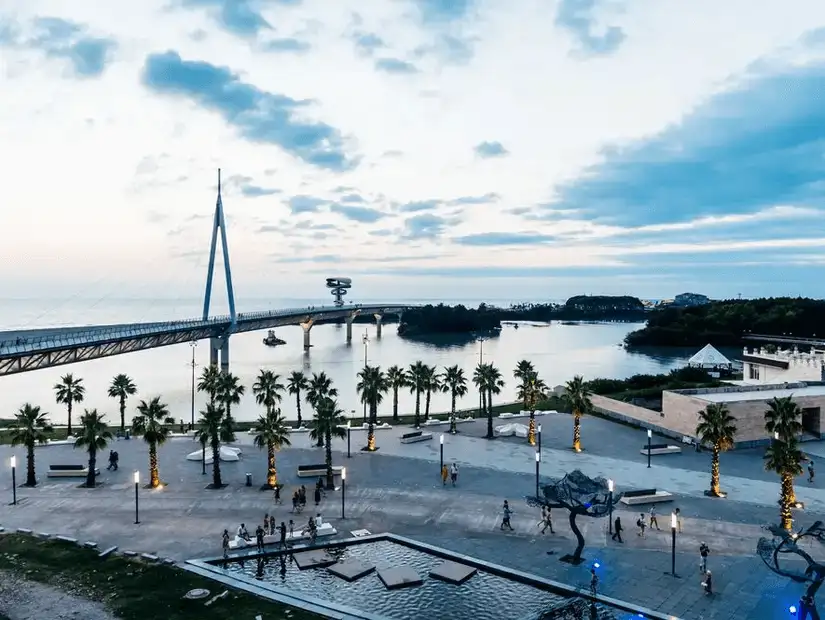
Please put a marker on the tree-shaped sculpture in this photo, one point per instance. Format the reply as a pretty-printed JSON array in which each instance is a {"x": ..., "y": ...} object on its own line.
[
  {"x": 787, "y": 544},
  {"x": 580, "y": 496}
]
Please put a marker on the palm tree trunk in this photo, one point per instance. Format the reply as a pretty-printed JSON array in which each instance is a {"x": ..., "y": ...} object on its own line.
[
  {"x": 785, "y": 502},
  {"x": 417, "y": 408},
  {"x": 395, "y": 404},
  {"x": 90, "y": 477},
  {"x": 714, "y": 471},
  {"x": 69, "y": 407},
  {"x": 427, "y": 405},
  {"x": 577, "y": 432},
  {"x": 531, "y": 429},
  {"x": 217, "y": 483},
  {"x": 271, "y": 474},
  {"x": 154, "y": 478},
  {"x": 453, "y": 428},
  {"x": 122, "y": 414},
  {"x": 330, "y": 479},
  {"x": 30, "y": 478},
  {"x": 371, "y": 428},
  {"x": 298, "y": 406},
  {"x": 488, "y": 397}
]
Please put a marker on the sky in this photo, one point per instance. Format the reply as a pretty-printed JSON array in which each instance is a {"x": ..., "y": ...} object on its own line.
[{"x": 427, "y": 149}]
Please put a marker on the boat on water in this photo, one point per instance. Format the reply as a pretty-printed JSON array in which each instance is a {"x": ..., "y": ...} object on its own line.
[{"x": 271, "y": 340}]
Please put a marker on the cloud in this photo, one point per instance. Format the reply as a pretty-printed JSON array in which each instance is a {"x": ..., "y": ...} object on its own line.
[
  {"x": 476, "y": 200},
  {"x": 352, "y": 198},
  {"x": 503, "y": 238},
  {"x": 496, "y": 271},
  {"x": 577, "y": 17},
  {"x": 420, "y": 205},
  {"x": 490, "y": 149},
  {"x": 248, "y": 188},
  {"x": 319, "y": 258},
  {"x": 365, "y": 215},
  {"x": 286, "y": 45},
  {"x": 305, "y": 204},
  {"x": 424, "y": 226},
  {"x": 443, "y": 10},
  {"x": 259, "y": 116},
  {"x": 396, "y": 66},
  {"x": 367, "y": 43},
  {"x": 757, "y": 145},
  {"x": 240, "y": 17},
  {"x": 448, "y": 48}
]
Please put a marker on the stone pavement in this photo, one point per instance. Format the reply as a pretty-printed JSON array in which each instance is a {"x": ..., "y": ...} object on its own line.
[{"x": 398, "y": 490}]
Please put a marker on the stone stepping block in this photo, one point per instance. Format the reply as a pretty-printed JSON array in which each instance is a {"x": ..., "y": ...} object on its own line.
[
  {"x": 399, "y": 577},
  {"x": 351, "y": 570},
  {"x": 453, "y": 572},
  {"x": 313, "y": 559}
]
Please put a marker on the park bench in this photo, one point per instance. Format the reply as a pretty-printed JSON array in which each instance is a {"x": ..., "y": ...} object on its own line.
[
  {"x": 313, "y": 471},
  {"x": 415, "y": 437},
  {"x": 645, "y": 496},
  {"x": 661, "y": 448},
  {"x": 69, "y": 471},
  {"x": 323, "y": 530}
]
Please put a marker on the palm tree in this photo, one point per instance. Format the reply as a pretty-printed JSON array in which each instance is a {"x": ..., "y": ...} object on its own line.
[
  {"x": 230, "y": 391},
  {"x": 417, "y": 382},
  {"x": 397, "y": 377},
  {"x": 122, "y": 388},
  {"x": 455, "y": 381},
  {"x": 577, "y": 395},
  {"x": 492, "y": 385},
  {"x": 267, "y": 389},
  {"x": 320, "y": 388},
  {"x": 296, "y": 384},
  {"x": 717, "y": 427},
  {"x": 524, "y": 371},
  {"x": 213, "y": 429},
  {"x": 785, "y": 458},
  {"x": 782, "y": 421},
  {"x": 432, "y": 382},
  {"x": 531, "y": 390},
  {"x": 329, "y": 422},
  {"x": 68, "y": 392},
  {"x": 272, "y": 432},
  {"x": 94, "y": 437},
  {"x": 478, "y": 381},
  {"x": 372, "y": 386},
  {"x": 31, "y": 426},
  {"x": 150, "y": 423},
  {"x": 209, "y": 382}
]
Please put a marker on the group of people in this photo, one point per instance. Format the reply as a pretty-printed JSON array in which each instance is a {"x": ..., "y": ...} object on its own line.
[
  {"x": 299, "y": 497},
  {"x": 451, "y": 472},
  {"x": 114, "y": 457},
  {"x": 270, "y": 527}
]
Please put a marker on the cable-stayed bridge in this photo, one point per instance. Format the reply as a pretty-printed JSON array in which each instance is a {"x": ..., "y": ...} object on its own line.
[{"x": 32, "y": 349}]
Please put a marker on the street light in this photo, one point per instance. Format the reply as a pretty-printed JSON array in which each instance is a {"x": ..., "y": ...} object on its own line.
[
  {"x": 480, "y": 362},
  {"x": 649, "y": 435},
  {"x": 343, "y": 492},
  {"x": 194, "y": 344},
  {"x": 539, "y": 437},
  {"x": 610, "y": 505},
  {"x": 673, "y": 524},
  {"x": 348, "y": 439},
  {"x": 538, "y": 462},
  {"x": 441, "y": 439},
  {"x": 137, "y": 482},
  {"x": 13, "y": 463},
  {"x": 366, "y": 341}
]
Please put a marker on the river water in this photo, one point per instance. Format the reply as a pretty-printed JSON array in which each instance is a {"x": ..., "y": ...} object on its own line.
[{"x": 558, "y": 352}]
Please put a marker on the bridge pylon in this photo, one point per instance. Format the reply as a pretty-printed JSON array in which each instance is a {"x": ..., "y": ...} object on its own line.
[{"x": 219, "y": 224}]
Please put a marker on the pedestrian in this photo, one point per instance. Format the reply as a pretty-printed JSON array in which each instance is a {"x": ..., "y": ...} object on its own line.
[
  {"x": 111, "y": 459},
  {"x": 243, "y": 533},
  {"x": 444, "y": 475},
  {"x": 678, "y": 520},
  {"x": 225, "y": 543},
  {"x": 272, "y": 526},
  {"x": 291, "y": 528},
  {"x": 594, "y": 582},
  {"x": 811, "y": 471},
  {"x": 543, "y": 516},
  {"x": 653, "y": 519},
  {"x": 116, "y": 459},
  {"x": 640, "y": 523},
  {"x": 704, "y": 550},
  {"x": 302, "y": 497},
  {"x": 282, "y": 532},
  {"x": 277, "y": 494},
  {"x": 707, "y": 584},
  {"x": 266, "y": 523},
  {"x": 454, "y": 473},
  {"x": 505, "y": 516},
  {"x": 617, "y": 530},
  {"x": 548, "y": 521},
  {"x": 317, "y": 496},
  {"x": 259, "y": 539}
]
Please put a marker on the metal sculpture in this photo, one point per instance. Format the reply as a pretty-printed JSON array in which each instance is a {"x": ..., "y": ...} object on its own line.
[
  {"x": 577, "y": 609},
  {"x": 787, "y": 544},
  {"x": 580, "y": 495}
]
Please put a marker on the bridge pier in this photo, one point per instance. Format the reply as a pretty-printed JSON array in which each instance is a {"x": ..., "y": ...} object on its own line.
[
  {"x": 378, "y": 323},
  {"x": 214, "y": 348},
  {"x": 349, "y": 321},
  {"x": 307, "y": 327},
  {"x": 225, "y": 355}
]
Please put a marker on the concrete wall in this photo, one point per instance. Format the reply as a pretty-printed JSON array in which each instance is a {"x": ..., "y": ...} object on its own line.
[
  {"x": 637, "y": 416},
  {"x": 771, "y": 375}
]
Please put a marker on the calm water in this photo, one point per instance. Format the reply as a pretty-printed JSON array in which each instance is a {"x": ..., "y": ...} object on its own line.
[{"x": 558, "y": 352}]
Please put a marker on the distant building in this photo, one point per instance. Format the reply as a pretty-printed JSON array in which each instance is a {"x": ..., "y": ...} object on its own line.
[
  {"x": 690, "y": 299},
  {"x": 771, "y": 365}
]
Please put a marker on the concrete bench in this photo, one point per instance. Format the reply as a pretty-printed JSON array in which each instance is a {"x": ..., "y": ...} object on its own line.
[
  {"x": 661, "y": 448},
  {"x": 645, "y": 496},
  {"x": 314, "y": 471},
  {"x": 69, "y": 471},
  {"x": 415, "y": 437},
  {"x": 325, "y": 529}
]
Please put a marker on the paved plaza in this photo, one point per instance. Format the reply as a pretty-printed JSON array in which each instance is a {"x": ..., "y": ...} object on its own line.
[{"x": 398, "y": 490}]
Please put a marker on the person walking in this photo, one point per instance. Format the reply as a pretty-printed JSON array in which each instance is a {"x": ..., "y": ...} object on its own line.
[
  {"x": 259, "y": 539},
  {"x": 225, "y": 543},
  {"x": 454, "y": 473},
  {"x": 594, "y": 582},
  {"x": 811, "y": 471},
  {"x": 116, "y": 458},
  {"x": 548, "y": 521},
  {"x": 640, "y": 523},
  {"x": 277, "y": 494},
  {"x": 291, "y": 528},
  {"x": 505, "y": 516},
  {"x": 653, "y": 519},
  {"x": 266, "y": 523},
  {"x": 317, "y": 496},
  {"x": 111, "y": 459},
  {"x": 678, "y": 520},
  {"x": 617, "y": 530},
  {"x": 444, "y": 475},
  {"x": 272, "y": 526},
  {"x": 704, "y": 550},
  {"x": 282, "y": 532},
  {"x": 707, "y": 584}
]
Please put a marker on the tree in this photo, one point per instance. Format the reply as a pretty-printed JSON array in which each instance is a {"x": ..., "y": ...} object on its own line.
[
  {"x": 782, "y": 420},
  {"x": 329, "y": 422},
  {"x": 213, "y": 429},
  {"x": 478, "y": 381},
  {"x": 209, "y": 382},
  {"x": 530, "y": 391},
  {"x": 397, "y": 378},
  {"x": 785, "y": 459},
  {"x": 524, "y": 371},
  {"x": 150, "y": 424},
  {"x": 320, "y": 389},
  {"x": 580, "y": 496},
  {"x": 68, "y": 392},
  {"x": 297, "y": 383},
  {"x": 122, "y": 388},
  {"x": 94, "y": 437},
  {"x": 456, "y": 383},
  {"x": 271, "y": 432},
  {"x": 432, "y": 383},
  {"x": 372, "y": 386},
  {"x": 492, "y": 384},
  {"x": 267, "y": 390},
  {"x": 577, "y": 396},
  {"x": 229, "y": 393},
  {"x": 30, "y": 427},
  {"x": 717, "y": 427},
  {"x": 417, "y": 382}
]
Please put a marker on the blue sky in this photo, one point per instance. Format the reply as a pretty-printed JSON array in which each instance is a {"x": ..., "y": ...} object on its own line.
[{"x": 425, "y": 148}]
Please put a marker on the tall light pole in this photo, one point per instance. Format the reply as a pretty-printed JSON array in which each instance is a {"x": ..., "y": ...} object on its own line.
[
  {"x": 480, "y": 362},
  {"x": 349, "y": 455},
  {"x": 137, "y": 483},
  {"x": 649, "y": 436},
  {"x": 442, "y": 453},
  {"x": 194, "y": 344},
  {"x": 13, "y": 463},
  {"x": 343, "y": 492},
  {"x": 539, "y": 437},
  {"x": 673, "y": 524},
  {"x": 366, "y": 341},
  {"x": 610, "y": 505},
  {"x": 538, "y": 463}
]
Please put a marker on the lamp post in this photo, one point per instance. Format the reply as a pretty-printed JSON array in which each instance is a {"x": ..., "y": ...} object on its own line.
[
  {"x": 441, "y": 439},
  {"x": 539, "y": 437},
  {"x": 673, "y": 524},
  {"x": 538, "y": 462},
  {"x": 137, "y": 483},
  {"x": 343, "y": 492},
  {"x": 366, "y": 341},
  {"x": 13, "y": 463},
  {"x": 480, "y": 361},
  {"x": 349, "y": 455},
  {"x": 610, "y": 505},
  {"x": 194, "y": 344},
  {"x": 649, "y": 436}
]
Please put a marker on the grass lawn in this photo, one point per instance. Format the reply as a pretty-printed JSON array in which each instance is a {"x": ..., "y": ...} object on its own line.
[{"x": 130, "y": 588}]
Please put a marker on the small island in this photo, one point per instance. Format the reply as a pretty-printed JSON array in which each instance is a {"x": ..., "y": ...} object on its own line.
[{"x": 725, "y": 323}]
